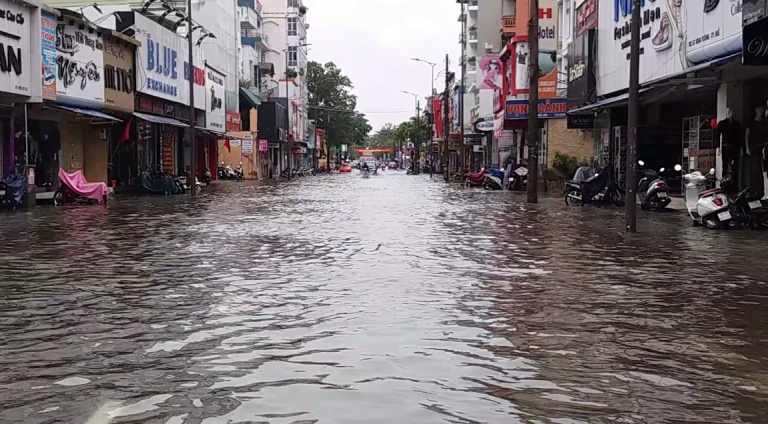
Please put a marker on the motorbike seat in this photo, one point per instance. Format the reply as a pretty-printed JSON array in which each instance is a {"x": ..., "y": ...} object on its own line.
[{"x": 710, "y": 192}]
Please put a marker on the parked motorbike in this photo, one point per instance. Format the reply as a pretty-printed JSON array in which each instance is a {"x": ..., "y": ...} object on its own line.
[
  {"x": 493, "y": 180},
  {"x": 475, "y": 179},
  {"x": 518, "y": 179},
  {"x": 709, "y": 208},
  {"x": 13, "y": 189},
  {"x": 221, "y": 172},
  {"x": 239, "y": 174},
  {"x": 208, "y": 176},
  {"x": 596, "y": 189},
  {"x": 652, "y": 190},
  {"x": 746, "y": 205}
]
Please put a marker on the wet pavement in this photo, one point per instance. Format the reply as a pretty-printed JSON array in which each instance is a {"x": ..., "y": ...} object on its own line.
[{"x": 393, "y": 299}]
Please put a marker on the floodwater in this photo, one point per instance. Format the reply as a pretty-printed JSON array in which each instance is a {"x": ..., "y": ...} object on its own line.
[{"x": 393, "y": 299}]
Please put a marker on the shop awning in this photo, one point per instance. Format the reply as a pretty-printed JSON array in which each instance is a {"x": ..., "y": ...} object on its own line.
[
  {"x": 251, "y": 98},
  {"x": 693, "y": 69},
  {"x": 89, "y": 112},
  {"x": 160, "y": 120},
  {"x": 610, "y": 102}
]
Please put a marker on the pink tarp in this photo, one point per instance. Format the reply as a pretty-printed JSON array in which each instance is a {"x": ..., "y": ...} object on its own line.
[{"x": 77, "y": 183}]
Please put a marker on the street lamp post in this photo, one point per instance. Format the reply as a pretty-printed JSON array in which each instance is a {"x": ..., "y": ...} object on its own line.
[{"x": 432, "y": 97}]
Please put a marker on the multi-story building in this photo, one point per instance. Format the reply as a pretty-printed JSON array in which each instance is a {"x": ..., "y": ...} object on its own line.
[
  {"x": 256, "y": 73},
  {"x": 219, "y": 19},
  {"x": 285, "y": 26}
]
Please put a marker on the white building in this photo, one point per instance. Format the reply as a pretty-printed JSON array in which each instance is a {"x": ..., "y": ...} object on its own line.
[
  {"x": 285, "y": 26},
  {"x": 218, "y": 18}
]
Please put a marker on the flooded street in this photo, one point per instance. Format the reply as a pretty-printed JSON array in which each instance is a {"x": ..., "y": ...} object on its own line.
[{"x": 393, "y": 299}]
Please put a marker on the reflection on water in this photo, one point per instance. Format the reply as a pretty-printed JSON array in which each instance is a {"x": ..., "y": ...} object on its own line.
[{"x": 391, "y": 299}]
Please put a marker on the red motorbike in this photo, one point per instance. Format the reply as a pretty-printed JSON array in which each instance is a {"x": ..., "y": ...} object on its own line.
[{"x": 475, "y": 179}]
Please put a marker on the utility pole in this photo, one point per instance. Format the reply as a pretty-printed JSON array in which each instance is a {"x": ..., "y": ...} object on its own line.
[
  {"x": 630, "y": 212},
  {"x": 533, "y": 103},
  {"x": 446, "y": 118},
  {"x": 460, "y": 106},
  {"x": 191, "y": 74},
  {"x": 416, "y": 143}
]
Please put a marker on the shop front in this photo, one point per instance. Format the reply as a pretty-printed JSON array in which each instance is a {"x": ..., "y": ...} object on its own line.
[
  {"x": 158, "y": 138},
  {"x": 20, "y": 82},
  {"x": 272, "y": 121}
]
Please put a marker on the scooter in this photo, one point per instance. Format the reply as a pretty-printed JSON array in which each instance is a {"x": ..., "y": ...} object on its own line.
[
  {"x": 208, "y": 176},
  {"x": 493, "y": 180},
  {"x": 475, "y": 179},
  {"x": 709, "y": 208},
  {"x": 239, "y": 174},
  {"x": 746, "y": 205},
  {"x": 366, "y": 173},
  {"x": 652, "y": 190},
  {"x": 221, "y": 173}
]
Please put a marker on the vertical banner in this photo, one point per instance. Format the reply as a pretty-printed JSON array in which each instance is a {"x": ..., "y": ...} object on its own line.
[
  {"x": 263, "y": 145},
  {"x": 48, "y": 48},
  {"x": 548, "y": 19},
  {"x": 247, "y": 146}
]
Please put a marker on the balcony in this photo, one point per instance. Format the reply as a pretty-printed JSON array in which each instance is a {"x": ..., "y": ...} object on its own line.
[
  {"x": 250, "y": 4},
  {"x": 249, "y": 19},
  {"x": 508, "y": 25},
  {"x": 472, "y": 6},
  {"x": 253, "y": 38},
  {"x": 471, "y": 68},
  {"x": 473, "y": 38}
]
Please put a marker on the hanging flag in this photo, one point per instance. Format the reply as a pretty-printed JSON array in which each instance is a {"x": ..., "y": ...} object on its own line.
[
  {"x": 126, "y": 132},
  {"x": 228, "y": 145}
]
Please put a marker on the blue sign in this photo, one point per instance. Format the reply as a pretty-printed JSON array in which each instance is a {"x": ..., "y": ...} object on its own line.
[
  {"x": 625, "y": 8},
  {"x": 548, "y": 108},
  {"x": 161, "y": 61}
]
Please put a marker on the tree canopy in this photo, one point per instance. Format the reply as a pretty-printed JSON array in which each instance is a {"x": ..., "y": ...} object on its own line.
[{"x": 333, "y": 105}]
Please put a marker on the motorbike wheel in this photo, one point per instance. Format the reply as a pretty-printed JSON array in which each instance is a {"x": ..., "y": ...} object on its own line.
[
  {"x": 58, "y": 198},
  {"x": 574, "y": 198},
  {"x": 710, "y": 223},
  {"x": 467, "y": 184}
]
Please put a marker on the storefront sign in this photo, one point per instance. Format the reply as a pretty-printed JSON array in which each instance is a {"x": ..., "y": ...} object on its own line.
[
  {"x": 234, "y": 122},
  {"x": 162, "y": 64},
  {"x": 548, "y": 19},
  {"x": 319, "y": 138},
  {"x": 661, "y": 35},
  {"x": 48, "y": 48},
  {"x": 713, "y": 29},
  {"x": 263, "y": 145},
  {"x": 755, "y": 51},
  {"x": 273, "y": 145},
  {"x": 15, "y": 48},
  {"x": 581, "y": 122},
  {"x": 581, "y": 73},
  {"x": 215, "y": 116},
  {"x": 752, "y": 11},
  {"x": 586, "y": 16},
  {"x": 118, "y": 74},
  {"x": 79, "y": 63},
  {"x": 548, "y": 108},
  {"x": 484, "y": 126},
  {"x": 247, "y": 148}
]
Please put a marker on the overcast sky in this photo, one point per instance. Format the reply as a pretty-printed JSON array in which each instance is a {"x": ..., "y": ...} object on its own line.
[{"x": 372, "y": 42}]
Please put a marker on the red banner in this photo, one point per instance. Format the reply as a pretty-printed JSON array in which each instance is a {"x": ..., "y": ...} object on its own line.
[
  {"x": 234, "y": 121},
  {"x": 319, "y": 138},
  {"x": 437, "y": 106}
]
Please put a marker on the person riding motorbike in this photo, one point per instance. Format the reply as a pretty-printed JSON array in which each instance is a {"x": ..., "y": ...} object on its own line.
[{"x": 365, "y": 168}]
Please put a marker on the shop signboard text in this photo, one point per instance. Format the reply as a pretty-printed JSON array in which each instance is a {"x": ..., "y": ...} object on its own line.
[
  {"x": 79, "y": 63},
  {"x": 215, "y": 117},
  {"x": 713, "y": 29},
  {"x": 548, "y": 108},
  {"x": 48, "y": 50},
  {"x": 15, "y": 48}
]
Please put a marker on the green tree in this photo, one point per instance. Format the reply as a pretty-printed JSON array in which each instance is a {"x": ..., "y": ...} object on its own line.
[{"x": 333, "y": 105}]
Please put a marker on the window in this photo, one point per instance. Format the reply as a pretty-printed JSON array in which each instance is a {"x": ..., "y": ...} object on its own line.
[
  {"x": 292, "y": 26},
  {"x": 293, "y": 56},
  {"x": 263, "y": 56},
  {"x": 293, "y": 3}
]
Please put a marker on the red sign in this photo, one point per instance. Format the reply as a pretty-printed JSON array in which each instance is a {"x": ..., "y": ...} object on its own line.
[
  {"x": 586, "y": 16},
  {"x": 233, "y": 121},
  {"x": 437, "y": 106},
  {"x": 319, "y": 132},
  {"x": 263, "y": 145}
]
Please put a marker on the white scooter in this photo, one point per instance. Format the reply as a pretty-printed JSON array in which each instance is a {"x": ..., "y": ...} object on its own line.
[{"x": 706, "y": 207}]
